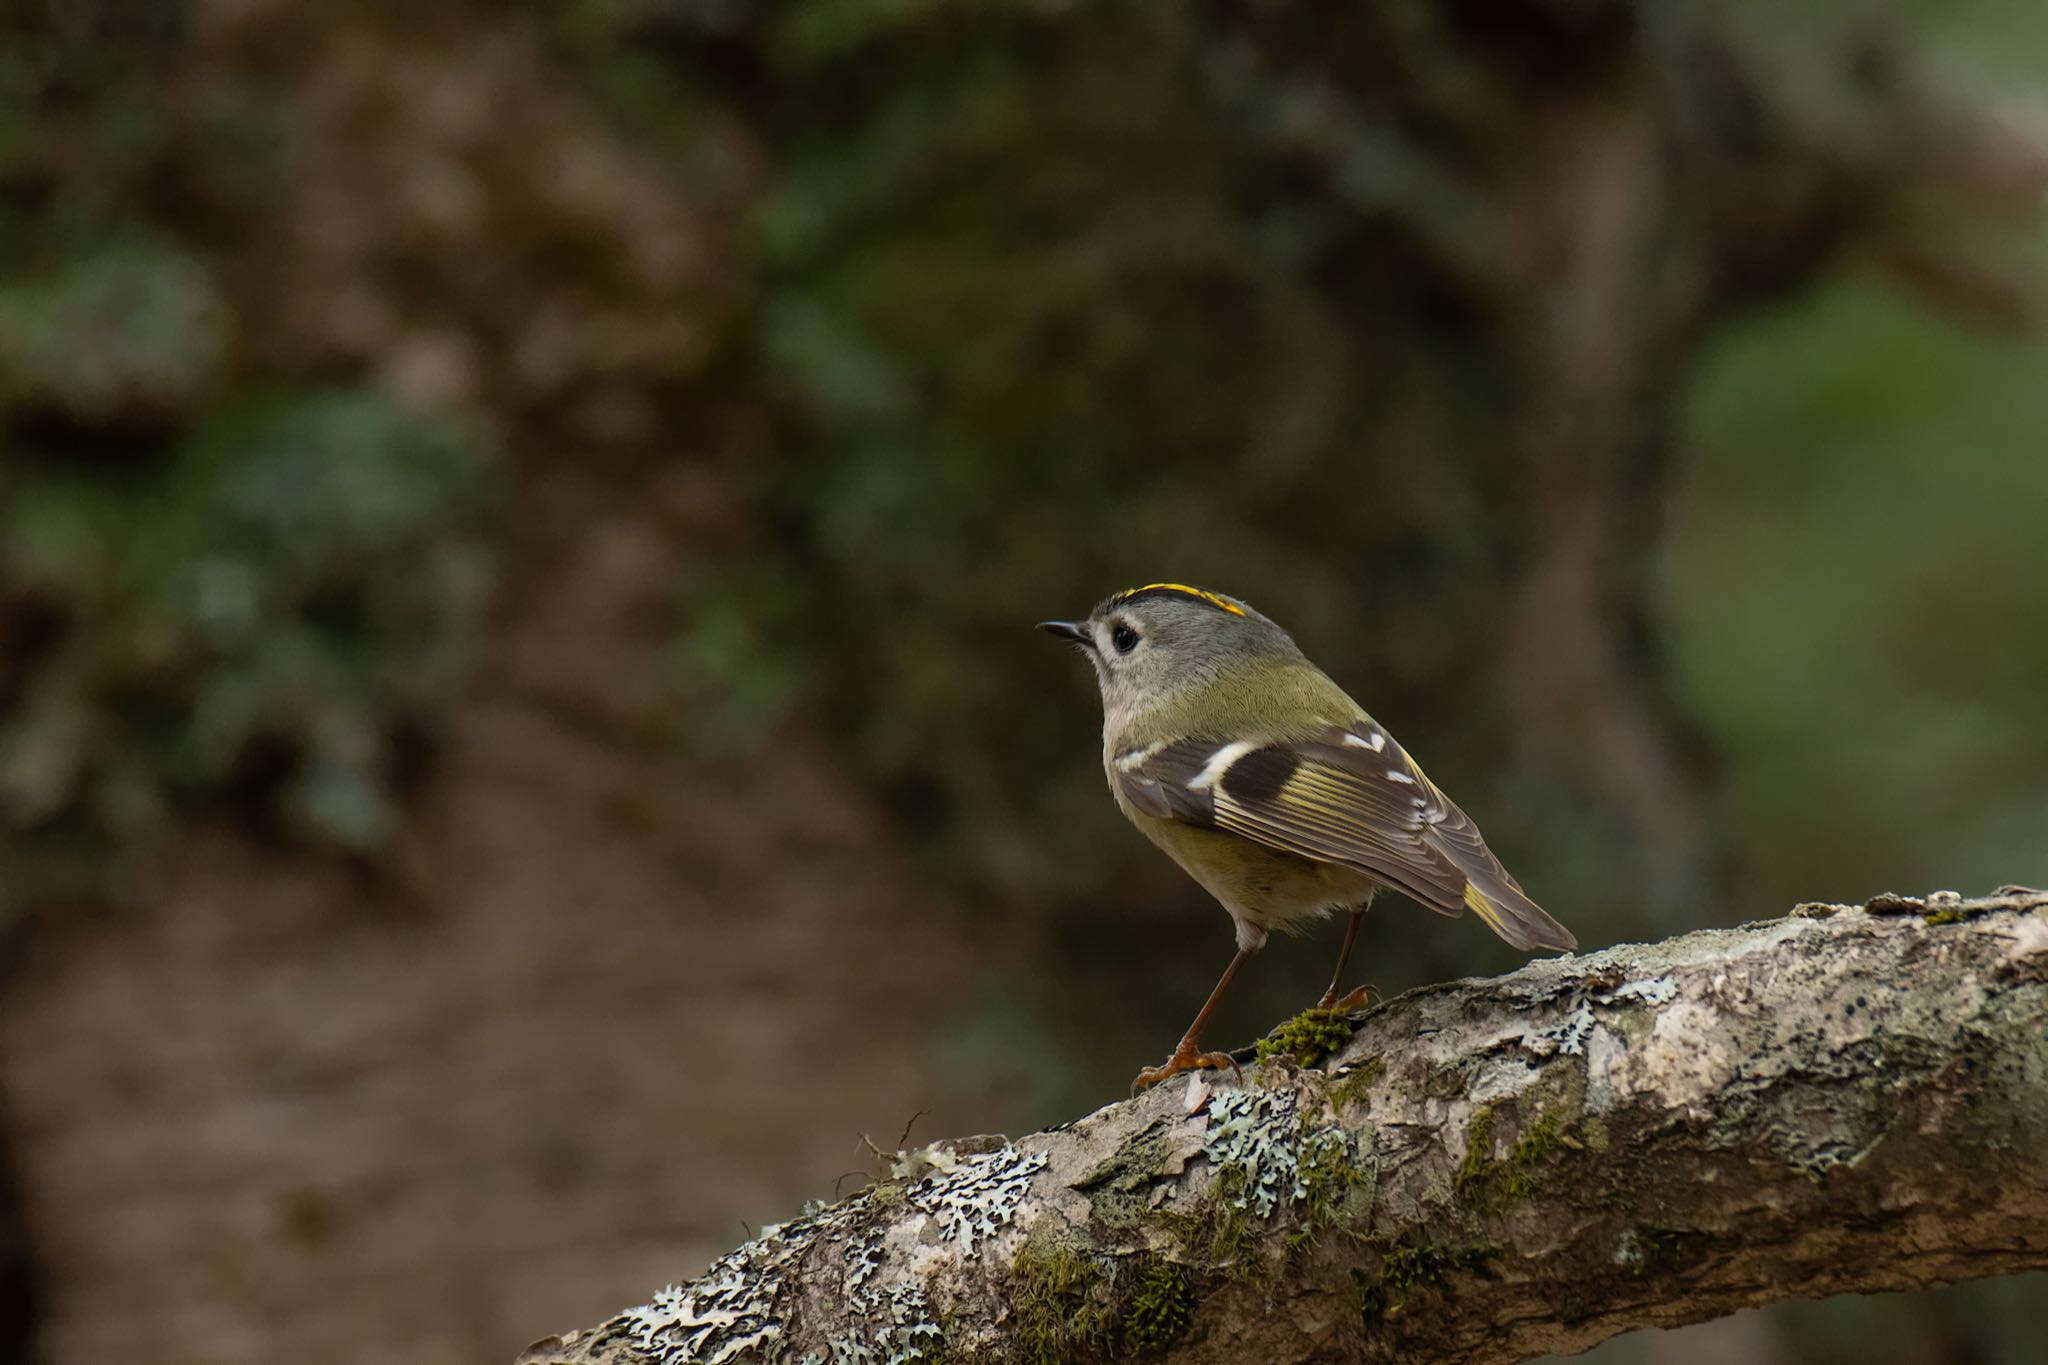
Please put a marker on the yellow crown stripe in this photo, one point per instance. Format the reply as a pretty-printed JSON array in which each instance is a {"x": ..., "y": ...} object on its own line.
[{"x": 1211, "y": 598}]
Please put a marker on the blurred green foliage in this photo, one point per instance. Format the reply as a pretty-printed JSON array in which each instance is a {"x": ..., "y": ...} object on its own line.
[
  {"x": 216, "y": 584},
  {"x": 272, "y": 609},
  {"x": 1855, "y": 588},
  {"x": 131, "y": 328},
  {"x": 1852, "y": 582},
  {"x": 1057, "y": 300}
]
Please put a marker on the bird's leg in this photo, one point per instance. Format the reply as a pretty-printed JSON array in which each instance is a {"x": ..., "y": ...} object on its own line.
[
  {"x": 1189, "y": 1056},
  {"x": 1363, "y": 995}
]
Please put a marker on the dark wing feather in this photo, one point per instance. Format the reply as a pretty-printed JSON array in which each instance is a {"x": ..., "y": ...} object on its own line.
[
  {"x": 1350, "y": 795},
  {"x": 1338, "y": 801},
  {"x": 1160, "y": 782}
]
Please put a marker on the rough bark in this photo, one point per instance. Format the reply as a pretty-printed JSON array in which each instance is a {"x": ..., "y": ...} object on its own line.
[{"x": 1847, "y": 1099}]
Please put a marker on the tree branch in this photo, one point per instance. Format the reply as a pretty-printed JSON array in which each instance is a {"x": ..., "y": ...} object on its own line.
[{"x": 1849, "y": 1099}]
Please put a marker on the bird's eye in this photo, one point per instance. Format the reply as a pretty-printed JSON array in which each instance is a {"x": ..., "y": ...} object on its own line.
[{"x": 1124, "y": 638}]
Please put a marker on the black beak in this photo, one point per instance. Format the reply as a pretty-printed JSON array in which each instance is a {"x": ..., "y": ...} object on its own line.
[{"x": 1071, "y": 631}]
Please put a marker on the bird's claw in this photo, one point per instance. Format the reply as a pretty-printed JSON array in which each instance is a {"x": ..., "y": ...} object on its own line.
[
  {"x": 1362, "y": 998},
  {"x": 1185, "y": 1058}
]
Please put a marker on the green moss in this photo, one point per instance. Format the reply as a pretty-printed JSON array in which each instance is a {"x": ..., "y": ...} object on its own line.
[
  {"x": 1059, "y": 1296},
  {"x": 1405, "y": 1270},
  {"x": 1544, "y": 1140},
  {"x": 1308, "y": 1037},
  {"x": 1231, "y": 1238},
  {"x": 1406, "y": 1267},
  {"x": 1219, "y": 1231},
  {"x": 1072, "y": 1305},
  {"x": 1478, "y": 1162},
  {"x": 1355, "y": 1085},
  {"x": 1655, "y": 1248},
  {"x": 1488, "y": 1186},
  {"x": 1945, "y": 916},
  {"x": 1368, "y": 1300},
  {"x": 1159, "y": 1311}
]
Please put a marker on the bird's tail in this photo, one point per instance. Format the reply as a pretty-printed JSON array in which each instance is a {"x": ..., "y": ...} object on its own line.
[{"x": 1500, "y": 902}]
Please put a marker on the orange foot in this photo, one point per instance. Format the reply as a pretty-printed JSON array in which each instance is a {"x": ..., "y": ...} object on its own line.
[
  {"x": 1184, "y": 1058},
  {"x": 1359, "y": 999}
]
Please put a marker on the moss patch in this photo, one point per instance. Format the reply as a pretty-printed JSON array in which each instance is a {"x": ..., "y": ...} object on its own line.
[
  {"x": 1073, "y": 1306},
  {"x": 1405, "y": 1271},
  {"x": 1355, "y": 1085},
  {"x": 1060, "y": 1296},
  {"x": 1475, "y": 1169},
  {"x": 1219, "y": 1231},
  {"x": 1488, "y": 1186},
  {"x": 1647, "y": 1250},
  {"x": 1405, "y": 1267},
  {"x": 1308, "y": 1037},
  {"x": 1160, "y": 1309}
]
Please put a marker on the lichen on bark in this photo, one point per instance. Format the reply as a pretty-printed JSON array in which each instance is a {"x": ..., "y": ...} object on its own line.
[{"x": 1647, "y": 1135}]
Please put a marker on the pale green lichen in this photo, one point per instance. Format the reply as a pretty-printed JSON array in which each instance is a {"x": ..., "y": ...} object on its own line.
[
  {"x": 739, "y": 1309},
  {"x": 1262, "y": 1135},
  {"x": 978, "y": 1196},
  {"x": 1331, "y": 1177},
  {"x": 734, "y": 1308},
  {"x": 1571, "y": 1035},
  {"x": 1272, "y": 1157},
  {"x": 895, "y": 1326},
  {"x": 920, "y": 1343}
]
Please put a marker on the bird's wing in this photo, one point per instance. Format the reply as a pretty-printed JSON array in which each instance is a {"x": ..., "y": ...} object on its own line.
[{"x": 1347, "y": 795}]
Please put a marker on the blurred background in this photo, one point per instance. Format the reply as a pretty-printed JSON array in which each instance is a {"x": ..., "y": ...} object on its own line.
[{"x": 520, "y": 734}]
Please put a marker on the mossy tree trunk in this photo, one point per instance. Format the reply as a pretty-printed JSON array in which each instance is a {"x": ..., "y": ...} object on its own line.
[{"x": 1844, "y": 1100}]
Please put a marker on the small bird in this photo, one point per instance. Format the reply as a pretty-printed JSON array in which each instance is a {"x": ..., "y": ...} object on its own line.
[{"x": 1271, "y": 787}]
